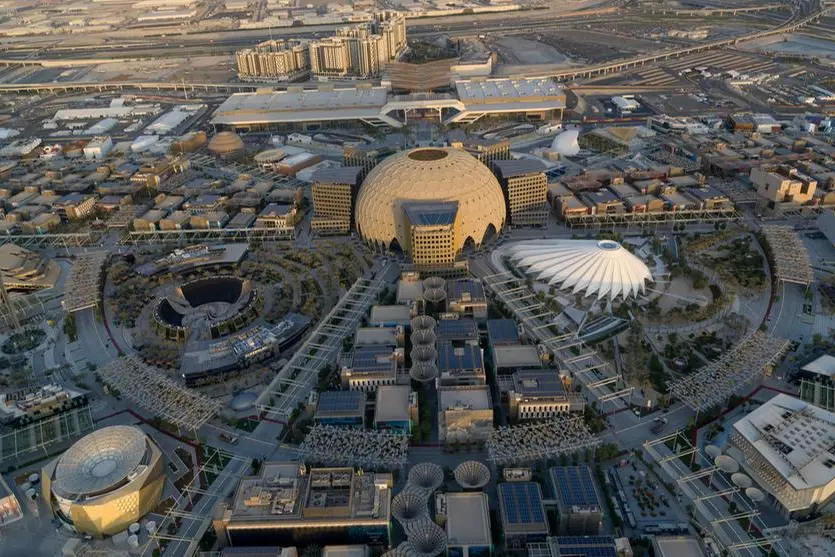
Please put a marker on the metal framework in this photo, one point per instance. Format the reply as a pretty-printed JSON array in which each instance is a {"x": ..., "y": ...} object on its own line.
[
  {"x": 742, "y": 365},
  {"x": 24, "y": 441},
  {"x": 339, "y": 446},
  {"x": 74, "y": 240},
  {"x": 230, "y": 169},
  {"x": 82, "y": 289},
  {"x": 573, "y": 354},
  {"x": 742, "y": 532},
  {"x": 193, "y": 235},
  {"x": 539, "y": 441},
  {"x": 26, "y": 307},
  {"x": 153, "y": 391},
  {"x": 191, "y": 512},
  {"x": 294, "y": 381},
  {"x": 791, "y": 260},
  {"x": 656, "y": 218}
]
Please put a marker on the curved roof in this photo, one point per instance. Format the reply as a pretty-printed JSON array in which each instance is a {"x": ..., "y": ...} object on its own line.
[
  {"x": 100, "y": 462},
  {"x": 429, "y": 175},
  {"x": 226, "y": 142},
  {"x": 601, "y": 267},
  {"x": 566, "y": 143}
]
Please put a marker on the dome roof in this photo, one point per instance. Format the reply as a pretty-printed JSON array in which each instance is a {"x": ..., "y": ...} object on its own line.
[
  {"x": 566, "y": 143},
  {"x": 601, "y": 267},
  {"x": 226, "y": 142},
  {"x": 430, "y": 174},
  {"x": 100, "y": 462}
]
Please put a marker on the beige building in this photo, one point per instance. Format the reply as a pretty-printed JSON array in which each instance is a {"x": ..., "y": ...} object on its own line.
[
  {"x": 783, "y": 184},
  {"x": 485, "y": 150},
  {"x": 465, "y": 414},
  {"x": 334, "y": 190},
  {"x": 278, "y": 60},
  {"x": 526, "y": 190},
  {"x": 432, "y": 233},
  {"x": 106, "y": 481},
  {"x": 26, "y": 270},
  {"x": 539, "y": 394}
]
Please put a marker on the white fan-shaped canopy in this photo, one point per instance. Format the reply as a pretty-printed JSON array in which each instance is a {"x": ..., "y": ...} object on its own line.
[
  {"x": 592, "y": 267},
  {"x": 566, "y": 143}
]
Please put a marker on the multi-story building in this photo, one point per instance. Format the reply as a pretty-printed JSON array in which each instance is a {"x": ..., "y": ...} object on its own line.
[
  {"x": 465, "y": 414},
  {"x": 485, "y": 150},
  {"x": 396, "y": 408},
  {"x": 277, "y": 215},
  {"x": 432, "y": 233},
  {"x": 371, "y": 367},
  {"x": 277, "y": 60},
  {"x": 466, "y": 518},
  {"x": 523, "y": 514},
  {"x": 36, "y": 403},
  {"x": 787, "y": 447},
  {"x": 540, "y": 395},
  {"x": 340, "y": 408},
  {"x": 460, "y": 365},
  {"x": 783, "y": 184},
  {"x": 334, "y": 191},
  {"x": 526, "y": 188},
  {"x": 466, "y": 297},
  {"x": 288, "y": 504},
  {"x": 578, "y": 501}
]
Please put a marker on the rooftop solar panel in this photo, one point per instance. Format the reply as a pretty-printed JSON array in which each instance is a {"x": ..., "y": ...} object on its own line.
[
  {"x": 456, "y": 288},
  {"x": 574, "y": 485},
  {"x": 369, "y": 359},
  {"x": 502, "y": 331},
  {"x": 451, "y": 358},
  {"x": 522, "y": 503},
  {"x": 458, "y": 329},
  {"x": 340, "y": 402},
  {"x": 586, "y": 546}
]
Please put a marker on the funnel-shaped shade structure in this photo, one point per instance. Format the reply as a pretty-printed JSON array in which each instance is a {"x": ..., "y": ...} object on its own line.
[
  {"x": 713, "y": 451},
  {"x": 755, "y": 494},
  {"x": 726, "y": 464},
  {"x": 422, "y": 322},
  {"x": 423, "y": 337},
  {"x": 423, "y": 354},
  {"x": 472, "y": 474},
  {"x": 434, "y": 295},
  {"x": 426, "y": 476},
  {"x": 433, "y": 283},
  {"x": 741, "y": 480},
  {"x": 423, "y": 371},
  {"x": 409, "y": 506},
  {"x": 401, "y": 550},
  {"x": 426, "y": 539}
]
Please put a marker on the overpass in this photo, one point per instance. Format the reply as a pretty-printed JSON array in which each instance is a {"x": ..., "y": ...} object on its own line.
[{"x": 707, "y": 12}]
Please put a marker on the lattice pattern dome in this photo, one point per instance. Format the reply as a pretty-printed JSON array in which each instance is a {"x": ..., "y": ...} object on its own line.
[{"x": 429, "y": 174}]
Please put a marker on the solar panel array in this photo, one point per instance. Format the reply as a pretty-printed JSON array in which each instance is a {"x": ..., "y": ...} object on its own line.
[
  {"x": 522, "y": 503},
  {"x": 369, "y": 359},
  {"x": 337, "y": 402},
  {"x": 465, "y": 358},
  {"x": 574, "y": 485},
  {"x": 456, "y": 288},
  {"x": 586, "y": 546},
  {"x": 502, "y": 331},
  {"x": 457, "y": 329}
]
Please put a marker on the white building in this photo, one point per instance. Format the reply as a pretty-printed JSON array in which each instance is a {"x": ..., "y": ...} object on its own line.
[
  {"x": 789, "y": 449},
  {"x": 98, "y": 148}
]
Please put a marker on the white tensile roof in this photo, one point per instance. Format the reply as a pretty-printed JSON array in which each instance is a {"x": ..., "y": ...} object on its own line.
[
  {"x": 566, "y": 143},
  {"x": 601, "y": 267}
]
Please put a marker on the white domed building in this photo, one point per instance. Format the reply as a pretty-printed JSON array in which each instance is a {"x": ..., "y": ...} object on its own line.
[
  {"x": 431, "y": 203},
  {"x": 106, "y": 481},
  {"x": 566, "y": 143},
  {"x": 590, "y": 267}
]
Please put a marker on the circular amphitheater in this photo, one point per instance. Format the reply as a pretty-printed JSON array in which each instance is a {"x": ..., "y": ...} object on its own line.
[
  {"x": 115, "y": 467},
  {"x": 207, "y": 308}
]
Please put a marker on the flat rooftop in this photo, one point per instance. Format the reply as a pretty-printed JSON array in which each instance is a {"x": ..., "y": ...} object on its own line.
[
  {"x": 824, "y": 366},
  {"x": 396, "y": 314},
  {"x": 522, "y": 511},
  {"x": 519, "y": 167},
  {"x": 465, "y": 290},
  {"x": 677, "y": 546},
  {"x": 340, "y": 403},
  {"x": 372, "y": 359},
  {"x": 502, "y": 331},
  {"x": 468, "y": 519},
  {"x": 538, "y": 383},
  {"x": 366, "y": 336},
  {"x": 281, "y": 496},
  {"x": 464, "y": 328},
  {"x": 459, "y": 358},
  {"x": 492, "y": 90},
  {"x": 574, "y": 486},
  {"x": 337, "y": 175},
  {"x": 519, "y": 356},
  {"x": 471, "y": 397},
  {"x": 300, "y": 105},
  {"x": 796, "y": 438},
  {"x": 392, "y": 403}
]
